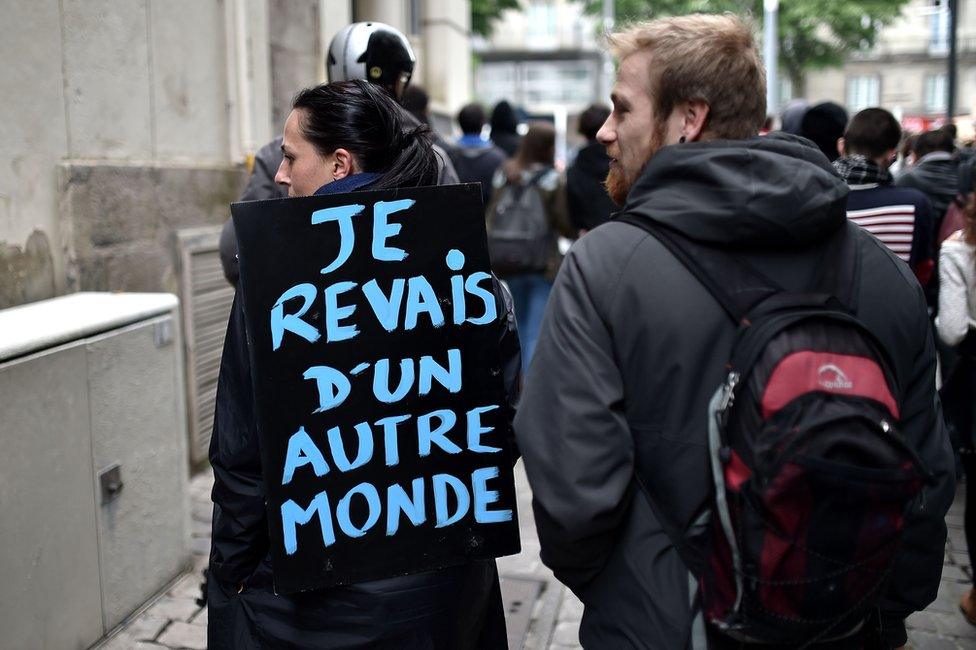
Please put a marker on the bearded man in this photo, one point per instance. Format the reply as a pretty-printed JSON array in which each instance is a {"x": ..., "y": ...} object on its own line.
[{"x": 613, "y": 420}]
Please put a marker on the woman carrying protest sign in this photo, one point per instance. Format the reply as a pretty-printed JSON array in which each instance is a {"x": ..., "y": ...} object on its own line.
[{"x": 340, "y": 137}]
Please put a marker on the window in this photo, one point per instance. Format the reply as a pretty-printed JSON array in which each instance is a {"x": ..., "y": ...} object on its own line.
[
  {"x": 936, "y": 91},
  {"x": 496, "y": 81},
  {"x": 939, "y": 29},
  {"x": 863, "y": 92},
  {"x": 541, "y": 18}
]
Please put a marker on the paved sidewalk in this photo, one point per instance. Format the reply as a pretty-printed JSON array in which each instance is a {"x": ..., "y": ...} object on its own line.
[{"x": 549, "y": 622}]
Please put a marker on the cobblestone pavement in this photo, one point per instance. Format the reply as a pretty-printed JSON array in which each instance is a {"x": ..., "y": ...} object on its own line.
[{"x": 174, "y": 621}]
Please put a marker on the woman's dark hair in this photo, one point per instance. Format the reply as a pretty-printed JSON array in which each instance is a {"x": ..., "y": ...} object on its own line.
[
  {"x": 363, "y": 118},
  {"x": 503, "y": 119},
  {"x": 930, "y": 141},
  {"x": 538, "y": 145}
]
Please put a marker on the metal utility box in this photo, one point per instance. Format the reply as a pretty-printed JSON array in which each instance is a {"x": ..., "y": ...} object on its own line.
[{"x": 93, "y": 475}]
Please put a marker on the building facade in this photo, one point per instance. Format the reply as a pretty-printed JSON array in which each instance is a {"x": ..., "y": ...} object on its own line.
[
  {"x": 123, "y": 122},
  {"x": 906, "y": 72},
  {"x": 545, "y": 59}
]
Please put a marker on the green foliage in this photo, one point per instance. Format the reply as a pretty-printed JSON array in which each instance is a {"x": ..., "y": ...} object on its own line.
[
  {"x": 486, "y": 12},
  {"x": 812, "y": 33}
]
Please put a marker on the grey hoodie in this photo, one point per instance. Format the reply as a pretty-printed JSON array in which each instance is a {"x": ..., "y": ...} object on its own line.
[{"x": 632, "y": 348}]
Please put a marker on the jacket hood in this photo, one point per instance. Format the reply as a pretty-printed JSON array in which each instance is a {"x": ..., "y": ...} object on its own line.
[{"x": 772, "y": 191}]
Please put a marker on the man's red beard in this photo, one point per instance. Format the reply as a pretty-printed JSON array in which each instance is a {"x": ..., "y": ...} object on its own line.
[{"x": 618, "y": 187}]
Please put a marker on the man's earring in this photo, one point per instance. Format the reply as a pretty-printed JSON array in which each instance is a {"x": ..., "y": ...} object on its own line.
[{"x": 682, "y": 140}]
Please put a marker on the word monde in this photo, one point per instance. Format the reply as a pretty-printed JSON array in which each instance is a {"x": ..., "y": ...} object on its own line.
[{"x": 401, "y": 304}]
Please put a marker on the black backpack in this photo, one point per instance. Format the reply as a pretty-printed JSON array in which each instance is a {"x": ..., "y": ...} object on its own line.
[
  {"x": 812, "y": 481},
  {"x": 519, "y": 236}
]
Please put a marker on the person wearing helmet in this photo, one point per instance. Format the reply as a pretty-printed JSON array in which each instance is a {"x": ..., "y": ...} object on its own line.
[{"x": 372, "y": 51}]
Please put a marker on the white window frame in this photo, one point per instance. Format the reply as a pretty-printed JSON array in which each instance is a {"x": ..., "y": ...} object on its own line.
[
  {"x": 935, "y": 93},
  {"x": 868, "y": 85}
]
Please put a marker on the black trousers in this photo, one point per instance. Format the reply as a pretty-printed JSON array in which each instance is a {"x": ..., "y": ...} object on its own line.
[
  {"x": 959, "y": 405},
  {"x": 969, "y": 522}
]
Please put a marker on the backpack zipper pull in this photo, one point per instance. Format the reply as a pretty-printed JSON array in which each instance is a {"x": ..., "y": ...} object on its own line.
[
  {"x": 728, "y": 393},
  {"x": 728, "y": 396}
]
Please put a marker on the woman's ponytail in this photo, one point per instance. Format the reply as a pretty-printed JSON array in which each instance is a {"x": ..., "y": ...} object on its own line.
[{"x": 413, "y": 161}]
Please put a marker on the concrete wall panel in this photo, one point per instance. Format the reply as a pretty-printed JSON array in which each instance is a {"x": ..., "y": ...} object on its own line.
[
  {"x": 258, "y": 31},
  {"x": 32, "y": 140},
  {"x": 333, "y": 16},
  {"x": 189, "y": 80},
  {"x": 121, "y": 219},
  {"x": 446, "y": 42},
  {"x": 48, "y": 552},
  {"x": 106, "y": 66},
  {"x": 295, "y": 51}
]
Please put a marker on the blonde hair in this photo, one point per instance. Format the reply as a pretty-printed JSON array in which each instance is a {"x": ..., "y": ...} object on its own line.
[{"x": 710, "y": 58}]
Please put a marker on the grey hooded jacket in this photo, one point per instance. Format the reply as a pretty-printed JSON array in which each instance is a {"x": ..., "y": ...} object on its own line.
[{"x": 632, "y": 348}]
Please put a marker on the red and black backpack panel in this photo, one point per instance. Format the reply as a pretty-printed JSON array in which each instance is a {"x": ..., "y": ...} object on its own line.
[{"x": 812, "y": 480}]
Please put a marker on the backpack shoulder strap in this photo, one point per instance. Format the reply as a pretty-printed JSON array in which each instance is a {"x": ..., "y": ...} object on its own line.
[
  {"x": 839, "y": 268},
  {"x": 537, "y": 176},
  {"x": 735, "y": 285},
  {"x": 518, "y": 190}
]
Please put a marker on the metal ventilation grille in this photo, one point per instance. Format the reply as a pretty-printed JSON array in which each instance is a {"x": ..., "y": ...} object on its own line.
[{"x": 205, "y": 301}]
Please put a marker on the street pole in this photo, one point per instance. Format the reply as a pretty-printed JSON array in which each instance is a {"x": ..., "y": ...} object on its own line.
[
  {"x": 606, "y": 74},
  {"x": 953, "y": 6},
  {"x": 771, "y": 54}
]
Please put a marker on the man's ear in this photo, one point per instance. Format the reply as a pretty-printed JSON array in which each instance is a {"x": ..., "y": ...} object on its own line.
[
  {"x": 694, "y": 114},
  {"x": 842, "y": 147},
  {"x": 344, "y": 164}
]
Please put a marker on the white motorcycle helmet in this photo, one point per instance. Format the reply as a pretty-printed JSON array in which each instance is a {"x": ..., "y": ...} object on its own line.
[{"x": 372, "y": 51}]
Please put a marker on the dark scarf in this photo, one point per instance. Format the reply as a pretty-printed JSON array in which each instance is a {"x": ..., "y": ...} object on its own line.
[
  {"x": 348, "y": 184},
  {"x": 858, "y": 170}
]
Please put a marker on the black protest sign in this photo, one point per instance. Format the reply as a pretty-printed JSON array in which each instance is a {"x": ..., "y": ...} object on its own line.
[{"x": 384, "y": 429}]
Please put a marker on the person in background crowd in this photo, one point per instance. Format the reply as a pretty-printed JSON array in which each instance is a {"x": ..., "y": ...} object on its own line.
[
  {"x": 956, "y": 325},
  {"x": 792, "y": 118},
  {"x": 504, "y": 128},
  {"x": 767, "y": 126},
  {"x": 416, "y": 101},
  {"x": 935, "y": 172},
  {"x": 905, "y": 156},
  {"x": 587, "y": 198},
  {"x": 614, "y": 411},
  {"x": 952, "y": 132},
  {"x": 529, "y": 204},
  {"x": 372, "y": 51},
  {"x": 901, "y": 217},
  {"x": 339, "y": 137},
  {"x": 475, "y": 158},
  {"x": 824, "y": 124}
]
